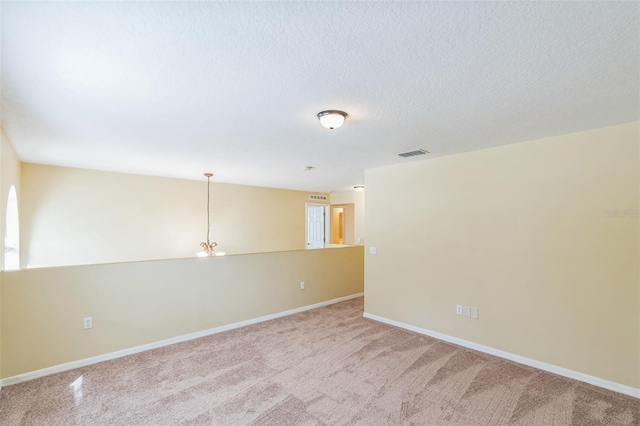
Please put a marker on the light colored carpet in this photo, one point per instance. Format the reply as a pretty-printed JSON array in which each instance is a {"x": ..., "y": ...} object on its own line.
[{"x": 327, "y": 366}]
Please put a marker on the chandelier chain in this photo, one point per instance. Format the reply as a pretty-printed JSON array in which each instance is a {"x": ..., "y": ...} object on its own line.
[
  {"x": 208, "y": 246},
  {"x": 208, "y": 202}
]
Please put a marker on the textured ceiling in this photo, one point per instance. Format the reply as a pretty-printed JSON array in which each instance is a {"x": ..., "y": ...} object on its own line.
[{"x": 177, "y": 89}]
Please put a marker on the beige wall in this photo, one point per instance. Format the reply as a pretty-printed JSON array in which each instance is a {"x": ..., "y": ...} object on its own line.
[
  {"x": 520, "y": 232},
  {"x": 143, "y": 302},
  {"x": 77, "y": 216},
  {"x": 357, "y": 199}
]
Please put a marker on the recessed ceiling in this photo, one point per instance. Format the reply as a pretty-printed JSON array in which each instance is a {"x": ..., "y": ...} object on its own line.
[{"x": 177, "y": 89}]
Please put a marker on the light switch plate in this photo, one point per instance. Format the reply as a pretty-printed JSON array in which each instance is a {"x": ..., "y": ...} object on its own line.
[
  {"x": 474, "y": 313},
  {"x": 466, "y": 311}
]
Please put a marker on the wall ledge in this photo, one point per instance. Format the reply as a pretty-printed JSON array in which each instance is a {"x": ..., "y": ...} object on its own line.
[
  {"x": 592, "y": 380},
  {"x": 142, "y": 348}
]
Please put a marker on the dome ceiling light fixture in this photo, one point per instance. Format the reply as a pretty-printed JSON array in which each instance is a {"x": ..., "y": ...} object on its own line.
[
  {"x": 358, "y": 188},
  {"x": 332, "y": 118}
]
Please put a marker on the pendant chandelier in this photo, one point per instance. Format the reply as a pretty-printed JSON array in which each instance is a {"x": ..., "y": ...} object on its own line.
[{"x": 208, "y": 246}]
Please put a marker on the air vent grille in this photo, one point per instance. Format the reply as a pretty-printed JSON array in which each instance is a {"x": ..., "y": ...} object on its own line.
[
  {"x": 318, "y": 197},
  {"x": 413, "y": 153}
]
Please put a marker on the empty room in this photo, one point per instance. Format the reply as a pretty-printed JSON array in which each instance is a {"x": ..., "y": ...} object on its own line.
[{"x": 320, "y": 213}]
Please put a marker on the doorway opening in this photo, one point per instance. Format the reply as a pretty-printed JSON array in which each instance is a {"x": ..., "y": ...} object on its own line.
[
  {"x": 337, "y": 230},
  {"x": 343, "y": 224}
]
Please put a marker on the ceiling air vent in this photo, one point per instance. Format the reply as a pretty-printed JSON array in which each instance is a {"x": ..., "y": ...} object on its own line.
[
  {"x": 318, "y": 197},
  {"x": 413, "y": 153}
]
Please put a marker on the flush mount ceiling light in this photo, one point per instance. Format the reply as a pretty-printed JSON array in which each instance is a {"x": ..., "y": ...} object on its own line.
[
  {"x": 358, "y": 188},
  {"x": 331, "y": 118}
]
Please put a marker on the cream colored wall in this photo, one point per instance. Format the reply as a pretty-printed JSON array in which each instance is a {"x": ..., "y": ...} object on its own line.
[
  {"x": 357, "y": 199},
  {"x": 77, "y": 216},
  {"x": 143, "y": 302},
  {"x": 520, "y": 232},
  {"x": 349, "y": 222}
]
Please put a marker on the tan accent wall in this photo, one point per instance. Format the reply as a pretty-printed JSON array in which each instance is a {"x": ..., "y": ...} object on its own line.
[
  {"x": 77, "y": 216},
  {"x": 143, "y": 302},
  {"x": 357, "y": 199},
  {"x": 521, "y": 232}
]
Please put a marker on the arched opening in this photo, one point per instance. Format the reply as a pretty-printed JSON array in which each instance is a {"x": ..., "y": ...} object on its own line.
[{"x": 12, "y": 233}]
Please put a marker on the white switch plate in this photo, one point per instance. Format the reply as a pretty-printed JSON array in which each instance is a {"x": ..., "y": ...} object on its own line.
[
  {"x": 458, "y": 309},
  {"x": 373, "y": 250},
  {"x": 466, "y": 311},
  {"x": 302, "y": 285},
  {"x": 474, "y": 313},
  {"x": 88, "y": 323}
]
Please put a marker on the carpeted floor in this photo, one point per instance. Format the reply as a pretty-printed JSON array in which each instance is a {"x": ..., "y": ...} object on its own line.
[{"x": 326, "y": 366}]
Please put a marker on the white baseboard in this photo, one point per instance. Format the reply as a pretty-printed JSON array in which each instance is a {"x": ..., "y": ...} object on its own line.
[
  {"x": 136, "y": 349},
  {"x": 592, "y": 380}
]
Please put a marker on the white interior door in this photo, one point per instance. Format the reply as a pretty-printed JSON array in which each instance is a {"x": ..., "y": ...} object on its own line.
[{"x": 315, "y": 226}]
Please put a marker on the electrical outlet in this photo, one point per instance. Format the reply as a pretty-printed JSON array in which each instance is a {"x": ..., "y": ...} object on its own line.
[
  {"x": 466, "y": 311},
  {"x": 458, "y": 309},
  {"x": 373, "y": 250},
  {"x": 302, "y": 285},
  {"x": 474, "y": 313},
  {"x": 88, "y": 323}
]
